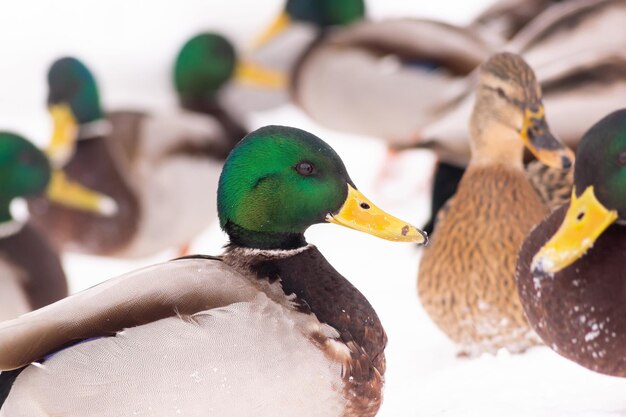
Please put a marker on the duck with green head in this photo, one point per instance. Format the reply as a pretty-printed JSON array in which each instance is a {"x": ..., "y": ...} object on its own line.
[
  {"x": 203, "y": 66},
  {"x": 212, "y": 78},
  {"x": 31, "y": 275},
  {"x": 271, "y": 321},
  {"x": 570, "y": 270},
  {"x": 149, "y": 164}
]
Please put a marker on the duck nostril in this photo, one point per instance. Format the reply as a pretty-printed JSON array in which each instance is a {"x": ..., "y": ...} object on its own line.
[{"x": 365, "y": 206}]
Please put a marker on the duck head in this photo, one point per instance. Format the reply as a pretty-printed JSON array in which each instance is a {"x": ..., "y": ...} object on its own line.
[
  {"x": 321, "y": 14},
  {"x": 26, "y": 172},
  {"x": 208, "y": 61},
  {"x": 599, "y": 195},
  {"x": 73, "y": 100},
  {"x": 279, "y": 180},
  {"x": 509, "y": 114}
]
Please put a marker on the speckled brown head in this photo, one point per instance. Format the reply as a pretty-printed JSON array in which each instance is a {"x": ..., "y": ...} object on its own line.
[{"x": 509, "y": 115}]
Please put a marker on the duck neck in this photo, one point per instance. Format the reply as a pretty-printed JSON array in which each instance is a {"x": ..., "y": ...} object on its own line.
[
  {"x": 494, "y": 137},
  {"x": 210, "y": 106},
  {"x": 496, "y": 143},
  {"x": 318, "y": 289},
  {"x": 245, "y": 238}
]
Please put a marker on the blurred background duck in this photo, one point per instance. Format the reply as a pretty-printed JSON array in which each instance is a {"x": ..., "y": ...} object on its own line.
[
  {"x": 212, "y": 78},
  {"x": 204, "y": 64},
  {"x": 31, "y": 275},
  {"x": 279, "y": 49},
  {"x": 570, "y": 270},
  {"x": 466, "y": 277},
  {"x": 202, "y": 333},
  {"x": 149, "y": 164}
]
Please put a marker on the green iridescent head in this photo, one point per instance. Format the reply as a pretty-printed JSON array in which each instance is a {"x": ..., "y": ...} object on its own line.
[
  {"x": 203, "y": 65},
  {"x": 280, "y": 180},
  {"x": 276, "y": 183},
  {"x": 24, "y": 170},
  {"x": 599, "y": 200},
  {"x": 70, "y": 82},
  {"x": 325, "y": 13},
  {"x": 601, "y": 162}
]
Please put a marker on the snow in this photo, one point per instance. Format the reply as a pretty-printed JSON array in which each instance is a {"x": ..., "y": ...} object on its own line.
[{"x": 132, "y": 58}]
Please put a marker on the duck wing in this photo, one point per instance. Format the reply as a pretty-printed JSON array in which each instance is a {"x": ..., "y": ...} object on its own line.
[{"x": 181, "y": 287}]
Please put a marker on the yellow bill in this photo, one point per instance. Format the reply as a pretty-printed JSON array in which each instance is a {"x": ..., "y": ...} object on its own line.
[
  {"x": 585, "y": 220},
  {"x": 359, "y": 213},
  {"x": 71, "y": 194},
  {"x": 65, "y": 131},
  {"x": 542, "y": 143},
  {"x": 257, "y": 75},
  {"x": 278, "y": 26}
]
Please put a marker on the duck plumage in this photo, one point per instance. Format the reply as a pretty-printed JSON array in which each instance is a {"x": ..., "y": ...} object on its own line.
[
  {"x": 466, "y": 277},
  {"x": 27, "y": 285},
  {"x": 570, "y": 271},
  {"x": 216, "y": 345}
]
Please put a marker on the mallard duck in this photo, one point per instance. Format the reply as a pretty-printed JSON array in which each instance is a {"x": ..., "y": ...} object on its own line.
[
  {"x": 271, "y": 321},
  {"x": 466, "y": 277},
  {"x": 31, "y": 275},
  {"x": 204, "y": 64},
  {"x": 212, "y": 78},
  {"x": 570, "y": 269},
  {"x": 149, "y": 164}
]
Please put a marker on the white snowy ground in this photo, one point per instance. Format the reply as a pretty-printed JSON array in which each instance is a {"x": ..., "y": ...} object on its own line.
[{"x": 130, "y": 45}]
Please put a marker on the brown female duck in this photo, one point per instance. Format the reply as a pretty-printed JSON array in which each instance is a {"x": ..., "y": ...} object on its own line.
[{"x": 466, "y": 277}]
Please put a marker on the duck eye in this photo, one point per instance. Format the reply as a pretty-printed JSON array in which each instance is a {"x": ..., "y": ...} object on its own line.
[
  {"x": 621, "y": 159},
  {"x": 305, "y": 168},
  {"x": 501, "y": 93}
]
